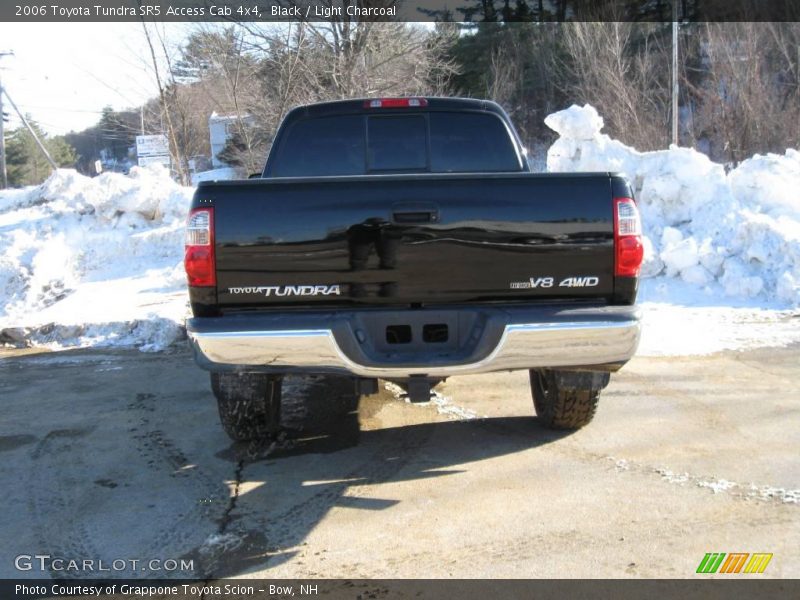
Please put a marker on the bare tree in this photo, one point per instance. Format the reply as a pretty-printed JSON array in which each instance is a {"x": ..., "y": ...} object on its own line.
[
  {"x": 525, "y": 74},
  {"x": 622, "y": 69},
  {"x": 223, "y": 77},
  {"x": 163, "y": 94},
  {"x": 257, "y": 73},
  {"x": 306, "y": 62},
  {"x": 745, "y": 88},
  {"x": 505, "y": 78}
]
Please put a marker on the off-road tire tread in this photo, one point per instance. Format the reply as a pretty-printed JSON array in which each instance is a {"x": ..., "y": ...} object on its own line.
[
  {"x": 567, "y": 408},
  {"x": 249, "y": 404}
]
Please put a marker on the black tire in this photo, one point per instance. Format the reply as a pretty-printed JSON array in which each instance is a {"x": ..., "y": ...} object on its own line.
[
  {"x": 564, "y": 399},
  {"x": 249, "y": 404}
]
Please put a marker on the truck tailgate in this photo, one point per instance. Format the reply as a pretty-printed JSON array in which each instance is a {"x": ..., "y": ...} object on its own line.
[{"x": 407, "y": 239}]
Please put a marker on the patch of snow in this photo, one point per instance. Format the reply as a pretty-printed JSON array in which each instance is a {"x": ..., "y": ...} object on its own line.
[
  {"x": 763, "y": 493},
  {"x": 766, "y": 492},
  {"x": 619, "y": 464},
  {"x": 95, "y": 261},
  {"x": 671, "y": 477},
  {"x": 717, "y": 485},
  {"x": 215, "y": 546},
  {"x": 444, "y": 405}
]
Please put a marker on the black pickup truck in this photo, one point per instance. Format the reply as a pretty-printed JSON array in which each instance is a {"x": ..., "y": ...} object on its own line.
[{"x": 406, "y": 239}]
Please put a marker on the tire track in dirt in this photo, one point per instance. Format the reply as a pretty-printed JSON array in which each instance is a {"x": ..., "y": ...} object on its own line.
[
  {"x": 60, "y": 481},
  {"x": 163, "y": 455},
  {"x": 55, "y": 498}
]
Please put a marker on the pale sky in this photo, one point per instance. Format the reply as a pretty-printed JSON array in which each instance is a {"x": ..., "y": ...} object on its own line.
[{"x": 63, "y": 74}]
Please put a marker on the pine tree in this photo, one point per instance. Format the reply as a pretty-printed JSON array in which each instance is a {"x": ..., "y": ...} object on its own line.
[
  {"x": 25, "y": 162},
  {"x": 118, "y": 131}
]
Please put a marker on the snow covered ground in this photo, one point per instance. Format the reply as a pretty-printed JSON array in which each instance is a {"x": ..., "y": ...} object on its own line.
[
  {"x": 681, "y": 320},
  {"x": 98, "y": 262}
]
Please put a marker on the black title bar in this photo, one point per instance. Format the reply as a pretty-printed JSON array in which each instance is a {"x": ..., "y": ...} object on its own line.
[
  {"x": 734, "y": 588},
  {"x": 398, "y": 10}
]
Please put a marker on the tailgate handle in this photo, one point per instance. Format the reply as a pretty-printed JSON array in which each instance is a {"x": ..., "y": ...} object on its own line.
[{"x": 415, "y": 212}]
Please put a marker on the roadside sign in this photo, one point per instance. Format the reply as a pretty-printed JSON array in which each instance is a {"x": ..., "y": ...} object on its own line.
[
  {"x": 152, "y": 149},
  {"x": 150, "y": 160},
  {"x": 152, "y": 145}
]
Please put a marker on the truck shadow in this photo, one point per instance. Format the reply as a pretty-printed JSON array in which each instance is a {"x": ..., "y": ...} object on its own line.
[
  {"x": 114, "y": 454},
  {"x": 290, "y": 486}
]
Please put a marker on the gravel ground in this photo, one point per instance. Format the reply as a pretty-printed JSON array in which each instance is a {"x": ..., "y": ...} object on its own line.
[{"x": 119, "y": 455}]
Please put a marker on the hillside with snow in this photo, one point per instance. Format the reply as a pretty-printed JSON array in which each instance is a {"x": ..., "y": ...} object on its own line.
[{"x": 98, "y": 261}]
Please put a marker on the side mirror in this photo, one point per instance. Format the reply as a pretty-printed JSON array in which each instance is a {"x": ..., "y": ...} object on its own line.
[{"x": 254, "y": 176}]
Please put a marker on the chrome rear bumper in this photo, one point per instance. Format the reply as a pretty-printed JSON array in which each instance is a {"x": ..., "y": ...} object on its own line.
[{"x": 509, "y": 339}]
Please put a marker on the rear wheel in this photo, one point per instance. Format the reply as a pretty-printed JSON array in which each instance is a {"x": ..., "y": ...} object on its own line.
[
  {"x": 249, "y": 404},
  {"x": 566, "y": 399}
]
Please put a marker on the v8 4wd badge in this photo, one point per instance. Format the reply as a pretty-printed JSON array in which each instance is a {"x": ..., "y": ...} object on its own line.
[
  {"x": 579, "y": 282},
  {"x": 548, "y": 282}
]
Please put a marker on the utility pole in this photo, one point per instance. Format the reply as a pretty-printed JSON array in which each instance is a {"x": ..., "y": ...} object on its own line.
[
  {"x": 675, "y": 72},
  {"x": 3, "y": 171},
  {"x": 32, "y": 132}
]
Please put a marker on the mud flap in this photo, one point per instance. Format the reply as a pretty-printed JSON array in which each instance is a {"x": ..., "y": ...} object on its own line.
[{"x": 581, "y": 380}]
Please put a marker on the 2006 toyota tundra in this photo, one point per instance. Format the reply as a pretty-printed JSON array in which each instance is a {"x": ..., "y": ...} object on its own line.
[{"x": 406, "y": 239}]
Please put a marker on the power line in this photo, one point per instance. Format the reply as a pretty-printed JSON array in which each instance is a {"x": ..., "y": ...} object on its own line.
[
  {"x": 33, "y": 133},
  {"x": 3, "y": 171},
  {"x": 60, "y": 109}
]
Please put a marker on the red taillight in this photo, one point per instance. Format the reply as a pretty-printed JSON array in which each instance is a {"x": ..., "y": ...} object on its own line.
[
  {"x": 395, "y": 103},
  {"x": 628, "y": 248},
  {"x": 199, "y": 256}
]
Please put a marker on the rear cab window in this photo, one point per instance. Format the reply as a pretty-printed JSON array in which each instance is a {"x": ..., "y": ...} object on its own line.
[
  {"x": 397, "y": 143},
  {"x": 322, "y": 146},
  {"x": 410, "y": 142}
]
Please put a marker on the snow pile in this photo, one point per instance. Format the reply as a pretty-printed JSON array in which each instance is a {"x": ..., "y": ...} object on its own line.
[
  {"x": 738, "y": 233},
  {"x": 98, "y": 261},
  {"x": 94, "y": 261},
  {"x": 729, "y": 243}
]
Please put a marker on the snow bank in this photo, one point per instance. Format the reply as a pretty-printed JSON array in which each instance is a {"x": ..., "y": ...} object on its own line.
[
  {"x": 98, "y": 261},
  {"x": 734, "y": 235},
  {"x": 94, "y": 261}
]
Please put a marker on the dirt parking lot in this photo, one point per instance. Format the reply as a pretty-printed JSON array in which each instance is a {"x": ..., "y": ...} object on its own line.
[{"x": 119, "y": 455}]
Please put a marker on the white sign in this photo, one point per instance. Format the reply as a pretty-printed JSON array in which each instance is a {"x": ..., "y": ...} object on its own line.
[
  {"x": 152, "y": 160},
  {"x": 152, "y": 145}
]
